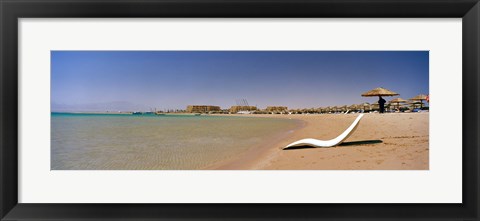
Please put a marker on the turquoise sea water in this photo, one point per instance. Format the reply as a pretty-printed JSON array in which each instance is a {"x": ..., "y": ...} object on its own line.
[{"x": 132, "y": 142}]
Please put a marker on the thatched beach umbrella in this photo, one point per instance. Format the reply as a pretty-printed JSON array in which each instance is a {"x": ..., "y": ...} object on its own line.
[
  {"x": 420, "y": 98},
  {"x": 396, "y": 102},
  {"x": 336, "y": 108},
  {"x": 353, "y": 107},
  {"x": 365, "y": 106},
  {"x": 326, "y": 109},
  {"x": 414, "y": 104},
  {"x": 379, "y": 91}
]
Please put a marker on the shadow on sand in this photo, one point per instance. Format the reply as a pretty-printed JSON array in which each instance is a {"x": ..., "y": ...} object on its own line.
[{"x": 361, "y": 142}]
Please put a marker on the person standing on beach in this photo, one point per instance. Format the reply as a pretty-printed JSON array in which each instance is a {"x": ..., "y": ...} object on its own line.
[{"x": 381, "y": 103}]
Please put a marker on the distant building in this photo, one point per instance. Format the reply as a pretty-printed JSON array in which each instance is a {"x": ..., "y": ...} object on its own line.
[
  {"x": 277, "y": 109},
  {"x": 235, "y": 109},
  {"x": 202, "y": 108}
]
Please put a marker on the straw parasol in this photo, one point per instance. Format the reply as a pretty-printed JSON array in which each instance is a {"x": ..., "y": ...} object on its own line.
[
  {"x": 416, "y": 103},
  {"x": 353, "y": 107},
  {"x": 325, "y": 109},
  {"x": 375, "y": 106},
  {"x": 397, "y": 101},
  {"x": 379, "y": 91},
  {"x": 365, "y": 105},
  {"x": 420, "y": 98}
]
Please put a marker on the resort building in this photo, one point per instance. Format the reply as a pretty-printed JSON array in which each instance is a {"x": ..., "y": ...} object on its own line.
[
  {"x": 235, "y": 109},
  {"x": 277, "y": 109},
  {"x": 202, "y": 108}
]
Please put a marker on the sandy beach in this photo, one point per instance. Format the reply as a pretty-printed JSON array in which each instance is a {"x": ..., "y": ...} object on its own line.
[{"x": 393, "y": 141}]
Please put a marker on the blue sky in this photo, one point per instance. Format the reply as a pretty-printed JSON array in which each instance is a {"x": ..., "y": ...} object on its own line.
[{"x": 140, "y": 80}]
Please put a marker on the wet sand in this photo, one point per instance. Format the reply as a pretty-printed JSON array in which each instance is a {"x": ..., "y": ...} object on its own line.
[{"x": 394, "y": 141}]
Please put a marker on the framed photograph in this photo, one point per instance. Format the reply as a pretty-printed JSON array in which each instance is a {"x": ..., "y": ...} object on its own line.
[{"x": 239, "y": 110}]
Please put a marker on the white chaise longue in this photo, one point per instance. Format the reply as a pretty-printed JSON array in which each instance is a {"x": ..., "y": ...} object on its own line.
[{"x": 327, "y": 143}]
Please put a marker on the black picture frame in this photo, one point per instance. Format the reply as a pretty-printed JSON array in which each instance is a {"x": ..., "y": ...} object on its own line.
[{"x": 12, "y": 10}]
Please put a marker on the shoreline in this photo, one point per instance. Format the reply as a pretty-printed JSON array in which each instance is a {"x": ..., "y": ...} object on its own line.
[
  {"x": 393, "y": 141},
  {"x": 257, "y": 153}
]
